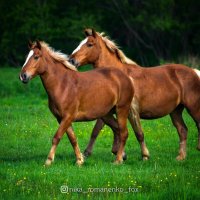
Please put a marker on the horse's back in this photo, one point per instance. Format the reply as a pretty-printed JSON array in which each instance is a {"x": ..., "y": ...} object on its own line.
[
  {"x": 113, "y": 79},
  {"x": 110, "y": 75},
  {"x": 165, "y": 86},
  {"x": 188, "y": 81},
  {"x": 168, "y": 77}
]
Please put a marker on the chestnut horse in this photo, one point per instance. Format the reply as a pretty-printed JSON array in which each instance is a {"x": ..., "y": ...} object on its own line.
[
  {"x": 75, "y": 96},
  {"x": 159, "y": 91}
]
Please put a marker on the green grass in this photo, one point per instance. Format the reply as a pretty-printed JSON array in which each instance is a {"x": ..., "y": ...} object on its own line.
[{"x": 26, "y": 131}]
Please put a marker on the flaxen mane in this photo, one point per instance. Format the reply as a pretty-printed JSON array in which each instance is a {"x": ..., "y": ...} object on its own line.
[
  {"x": 58, "y": 56},
  {"x": 113, "y": 47}
]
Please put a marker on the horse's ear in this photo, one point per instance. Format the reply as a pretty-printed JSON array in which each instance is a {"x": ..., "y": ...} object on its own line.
[
  {"x": 38, "y": 45},
  {"x": 88, "y": 32},
  {"x": 94, "y": 34},
  {"x": 30, "y": 44}
]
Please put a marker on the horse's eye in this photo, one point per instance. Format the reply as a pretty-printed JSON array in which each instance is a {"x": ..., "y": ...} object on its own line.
[
  {"x": 36, "y": 57},
  {"x": 89, "y": 44}
]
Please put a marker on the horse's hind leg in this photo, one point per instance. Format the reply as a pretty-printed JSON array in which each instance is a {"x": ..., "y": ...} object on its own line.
[
  {"x": 192, "y": 104},
  {"x": 122, "y": 115},
  {"x": 198, "y": 126},
  {"x": 134, "y": 120},
  {"x": 195, "y": 114},
  {"x": 176, "y": 117},
  {"x": 95, "y": 132}
]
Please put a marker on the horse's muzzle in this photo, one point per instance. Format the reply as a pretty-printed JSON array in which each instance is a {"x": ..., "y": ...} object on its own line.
[
  {"x": 24, "y": 77},
  {"x": 74, "y": 62}
]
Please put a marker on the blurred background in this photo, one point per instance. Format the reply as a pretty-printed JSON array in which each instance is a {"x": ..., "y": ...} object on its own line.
[{"x": 150, "y": 32}]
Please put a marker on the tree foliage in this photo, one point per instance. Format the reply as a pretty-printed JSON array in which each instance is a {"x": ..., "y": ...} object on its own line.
[{"x": 147, "y": 30}]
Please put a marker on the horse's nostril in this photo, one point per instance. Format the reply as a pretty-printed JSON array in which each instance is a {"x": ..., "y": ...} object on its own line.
[
  {"x": 24, "y": 76},
  {"x": 72, "y": 61}
]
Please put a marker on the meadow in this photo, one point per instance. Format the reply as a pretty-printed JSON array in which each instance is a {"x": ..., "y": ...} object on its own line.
[{"x": 26, "y": 131}]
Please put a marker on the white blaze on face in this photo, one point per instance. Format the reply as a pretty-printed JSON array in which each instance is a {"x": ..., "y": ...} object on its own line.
[
  {"x": 80, "y": 45},
  {"x": 28, "y": 57}
]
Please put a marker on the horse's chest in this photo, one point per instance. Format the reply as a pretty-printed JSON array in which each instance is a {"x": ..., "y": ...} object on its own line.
[{"x": 54, "y": 107}]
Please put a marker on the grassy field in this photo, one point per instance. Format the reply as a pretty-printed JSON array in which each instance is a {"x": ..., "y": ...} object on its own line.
[{"x": 26, "y": 131}]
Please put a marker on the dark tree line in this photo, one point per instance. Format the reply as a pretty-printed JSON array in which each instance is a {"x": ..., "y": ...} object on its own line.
[{"x": 147, "y": 30}]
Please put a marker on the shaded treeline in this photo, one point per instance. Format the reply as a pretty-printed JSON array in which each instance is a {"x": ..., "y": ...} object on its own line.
[{"x": 147, "y": 30}]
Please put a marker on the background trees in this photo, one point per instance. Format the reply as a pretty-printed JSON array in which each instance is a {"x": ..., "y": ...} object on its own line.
[{"x": 147, "y": 30}]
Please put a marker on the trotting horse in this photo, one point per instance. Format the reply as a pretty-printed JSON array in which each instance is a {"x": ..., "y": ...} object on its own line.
[
  {"x": 159, "y": 91},
  {"x": 75, "y": 96}
]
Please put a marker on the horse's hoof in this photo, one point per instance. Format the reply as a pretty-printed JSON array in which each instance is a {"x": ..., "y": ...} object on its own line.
[
  {"x": 145, "y": 158},
  {"x": 118, "y": 162},
  {"x": 180, "y": 157},
  {"x": 124, "y": 157},
  {"x": 79, "y": 164},
  {"x": 80, "y": 161},
  {"x": 145, "y": 153},
  {"x": 87, "y": 153},
  {"x": 48, "y": 162}
]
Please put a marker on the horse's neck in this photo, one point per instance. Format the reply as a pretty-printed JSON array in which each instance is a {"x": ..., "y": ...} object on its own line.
[
  {"x": 108, "y": 59},
  {"x": 52, "y": 77}
]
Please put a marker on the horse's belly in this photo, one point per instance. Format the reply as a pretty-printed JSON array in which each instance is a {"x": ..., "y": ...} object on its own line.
[
  {"x": 147, "y": 114},
  {"x": 91, "y": 114},
  {"x": 153, "y": 109},
  {"x": 96, "y": 106},
  {"x": 93, "y": 110}
]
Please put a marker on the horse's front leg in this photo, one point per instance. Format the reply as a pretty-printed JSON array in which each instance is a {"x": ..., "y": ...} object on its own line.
[
  {"x": 74, "y": 143},
  {"x": 112, "y": 123},
  {"x": 64, "y": 125}
]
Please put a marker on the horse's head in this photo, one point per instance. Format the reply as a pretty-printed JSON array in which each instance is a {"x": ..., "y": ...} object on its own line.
[
  {"x": 88, "y": 50},
  {"x": 31, "y": 67}
]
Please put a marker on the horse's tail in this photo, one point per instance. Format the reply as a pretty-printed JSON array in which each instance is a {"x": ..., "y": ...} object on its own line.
[{"x": 197, "y": 72}]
